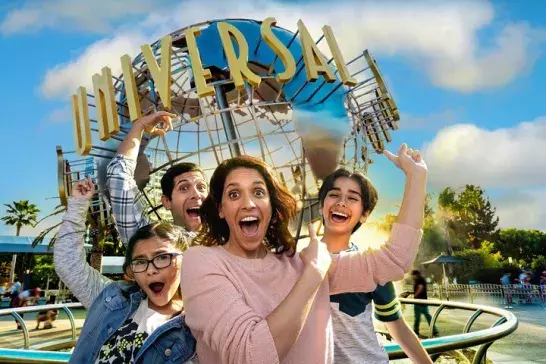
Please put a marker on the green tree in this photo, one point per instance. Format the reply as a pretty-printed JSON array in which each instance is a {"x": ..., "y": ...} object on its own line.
[
  {"x": 20, "y": 214},
  {"x": 539, "y": 262},
  {"x": 474, "y": 261},
  {"x": 468, "y": 215},
  {"x": 521, "y": 244},
  {"x": 42, "y": 268},
  {"x": 387, "y": 222}
]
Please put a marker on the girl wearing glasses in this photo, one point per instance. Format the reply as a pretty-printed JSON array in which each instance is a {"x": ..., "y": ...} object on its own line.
[{"x": 127, "y": 322}]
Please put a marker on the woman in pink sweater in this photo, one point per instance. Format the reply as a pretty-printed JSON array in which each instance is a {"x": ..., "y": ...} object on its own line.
[{"x": 250, "y": 298}]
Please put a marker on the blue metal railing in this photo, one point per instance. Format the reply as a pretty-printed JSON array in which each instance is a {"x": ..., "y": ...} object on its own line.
[{"x": 504, "y": 326}]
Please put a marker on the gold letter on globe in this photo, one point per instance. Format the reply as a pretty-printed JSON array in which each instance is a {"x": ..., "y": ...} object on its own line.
[
  {"x": 200, "y": 75},
  {"x": 82, "y": 128},
  {"x": 161, "y": 75},
  {"x": 315, "y": 63},
  {"x": 346, "y": 78},
  {"x": 105, "y": 103},
  {"x": 130, "y": 88},
  {"x": 280, "y": 49},
  {"x": 237, "y": 65}
]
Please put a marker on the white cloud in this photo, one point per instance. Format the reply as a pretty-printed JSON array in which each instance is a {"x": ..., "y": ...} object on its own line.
[
  {"x": 65, "y": 78},
  {"x": 441, "y": 40},
  {"x": 500, "y": 158},
  {"x": 522, "y": 209},
  {"x": 93, "y": 16}
]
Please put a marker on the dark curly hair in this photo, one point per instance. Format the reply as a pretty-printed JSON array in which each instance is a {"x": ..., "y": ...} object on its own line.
[{"x": 215, "y": 231}]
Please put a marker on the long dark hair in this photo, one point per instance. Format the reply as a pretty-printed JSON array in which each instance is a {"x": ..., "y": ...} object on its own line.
[
  {"x": 163, "y": 230},
  {"x": 215, "y": 230}
]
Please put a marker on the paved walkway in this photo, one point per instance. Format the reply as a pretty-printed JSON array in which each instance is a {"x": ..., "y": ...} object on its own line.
[
  {"x": 526, "y": 345},
  {"x": 11, "y": 337}
]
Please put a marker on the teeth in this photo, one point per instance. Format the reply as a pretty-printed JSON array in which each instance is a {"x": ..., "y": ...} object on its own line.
[
  {"x": 339, "y": 214},
  {"x": 193, "y": 209},
  {"x": 249, "y": 218}
]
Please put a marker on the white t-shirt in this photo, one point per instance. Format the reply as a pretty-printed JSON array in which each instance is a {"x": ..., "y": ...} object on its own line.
[
  {"x": 16, "y": 287},
  {"x": 124, "y": 345},
  {"x": 24, "y": 294}
]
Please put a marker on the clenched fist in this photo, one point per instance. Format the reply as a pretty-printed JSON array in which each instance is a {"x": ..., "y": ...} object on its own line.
[
  {"x": 157, "y": 123},
  {"x": 83, "y": 189}
]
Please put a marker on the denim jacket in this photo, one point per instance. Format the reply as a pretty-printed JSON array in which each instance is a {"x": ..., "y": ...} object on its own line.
[
  {"x": 170, "y": 343},
  {"x": 110, "y": 303}
]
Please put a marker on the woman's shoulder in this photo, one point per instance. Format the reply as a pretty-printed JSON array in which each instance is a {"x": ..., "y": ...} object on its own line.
[
  {"x": 203, "y": 257},
  {"x": 203, "y": 252}
]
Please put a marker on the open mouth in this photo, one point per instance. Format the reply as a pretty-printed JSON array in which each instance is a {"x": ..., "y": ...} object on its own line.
[
  {"x": 156, "y": 287},
  {"x": 249, "y": 225},
  {"x": 193, "y": 212},
  {"x": 339, "y": 217}
]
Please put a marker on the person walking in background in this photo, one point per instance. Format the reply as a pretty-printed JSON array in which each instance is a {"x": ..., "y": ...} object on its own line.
[
  {"x": 420, "y": 293},
  {"x": 543, "y": 287},
  {"x": 14, "y": 293},
  {"x": 506, "y": 281},
  {"x": 26, "y": 298}
]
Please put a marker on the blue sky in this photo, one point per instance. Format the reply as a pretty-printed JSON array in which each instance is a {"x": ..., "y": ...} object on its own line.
[{"x": 467, "y": 77}]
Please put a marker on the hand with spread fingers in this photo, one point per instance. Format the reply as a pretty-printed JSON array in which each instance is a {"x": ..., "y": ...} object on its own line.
[
  {"x": 84, "y": 189},
  {"x": 157, "y": 123},
  {"x": 408, "y": 160}
]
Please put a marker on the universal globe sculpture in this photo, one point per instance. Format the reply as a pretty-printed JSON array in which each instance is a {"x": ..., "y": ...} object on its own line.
[{"x": 302, "y": 129}]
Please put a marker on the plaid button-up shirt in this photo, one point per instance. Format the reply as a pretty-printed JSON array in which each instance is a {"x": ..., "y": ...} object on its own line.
[{"x": 128, "y": 202}]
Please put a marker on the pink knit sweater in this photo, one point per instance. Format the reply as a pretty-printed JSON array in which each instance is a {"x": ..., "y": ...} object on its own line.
[{"x": 227, "y": 298}]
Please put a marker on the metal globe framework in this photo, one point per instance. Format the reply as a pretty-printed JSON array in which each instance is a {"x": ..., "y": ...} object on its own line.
[{"x": 255, "y": 121}]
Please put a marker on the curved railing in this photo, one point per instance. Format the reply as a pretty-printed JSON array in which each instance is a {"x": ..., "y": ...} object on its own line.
[{"x": 504, "y": 326}]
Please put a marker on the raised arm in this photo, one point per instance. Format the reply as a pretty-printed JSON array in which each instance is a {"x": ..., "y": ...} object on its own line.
[
  {"x": 412, "y": 210},
  {"x": 69, "y": 253},
  {"x": 126, "y": 199},
  {"x": 360, "y": 272}
]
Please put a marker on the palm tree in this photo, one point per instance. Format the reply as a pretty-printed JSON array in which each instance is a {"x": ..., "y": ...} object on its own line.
[
  {"x": 20, "y": 214},
  {"x": 41, "y": 236}
]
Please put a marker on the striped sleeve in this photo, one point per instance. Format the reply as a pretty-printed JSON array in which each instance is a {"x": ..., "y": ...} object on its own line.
[{"x": 386, "y": 305}]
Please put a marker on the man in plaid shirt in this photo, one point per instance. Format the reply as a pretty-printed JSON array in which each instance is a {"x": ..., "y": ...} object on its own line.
[{"x": 183, "y": 186}]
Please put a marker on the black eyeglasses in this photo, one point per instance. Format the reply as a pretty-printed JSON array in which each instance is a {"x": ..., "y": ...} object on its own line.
[{"x": 159, "y": 262}]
